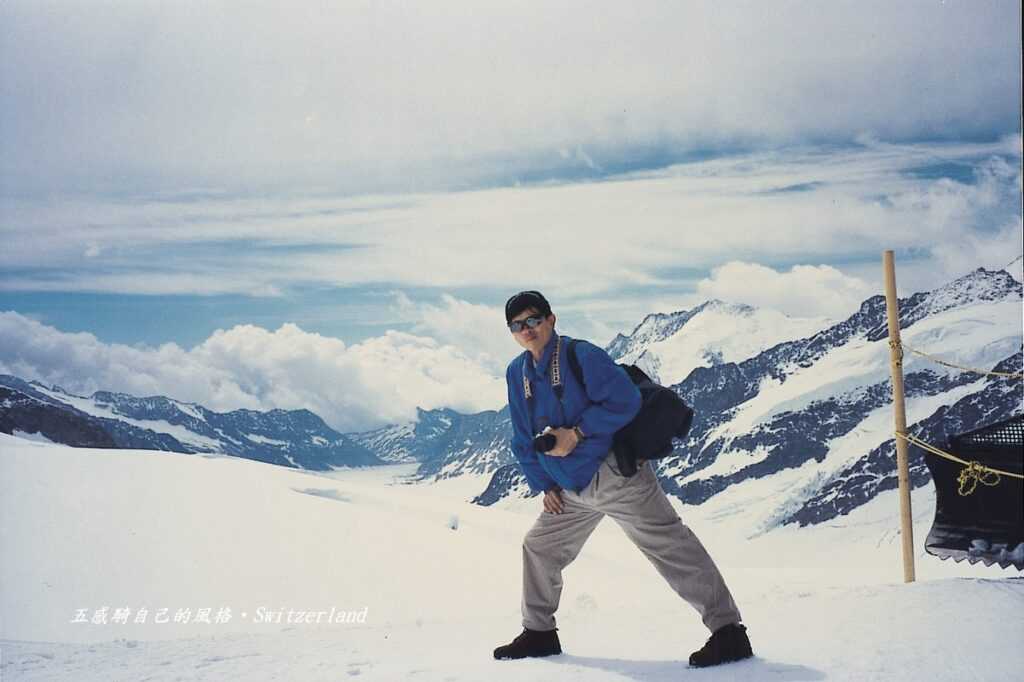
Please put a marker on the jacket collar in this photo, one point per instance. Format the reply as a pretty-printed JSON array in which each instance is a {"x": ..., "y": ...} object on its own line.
[{"x": 541, "y": 366}]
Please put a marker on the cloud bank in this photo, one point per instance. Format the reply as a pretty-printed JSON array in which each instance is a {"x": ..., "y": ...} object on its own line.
[
  {"x": 803, "y": 291},
  {"x": 657, "y": 232},
  {"x": 396, "y": 96},
  {"x": 353, "y": 387}
]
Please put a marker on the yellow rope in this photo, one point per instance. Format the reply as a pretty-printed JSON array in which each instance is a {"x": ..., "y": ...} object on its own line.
[
  {"x": 898, "y": 344},
  {"x": 973, "y": 472}
]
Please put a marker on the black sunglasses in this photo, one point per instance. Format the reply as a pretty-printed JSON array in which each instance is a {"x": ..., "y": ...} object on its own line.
[{"x": 516, "y": 326}]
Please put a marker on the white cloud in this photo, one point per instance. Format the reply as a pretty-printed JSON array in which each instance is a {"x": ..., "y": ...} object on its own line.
[
  {"x": 993, "y": 250},
  {"x": 803, "y": 291},
  {"x": 399, "y": 95},
  {"x": 584, "y": 240},
  {"x": 381, "y": 380},
  {"x": 607, "y": 253},
  {"x": 478, "y": 330}
]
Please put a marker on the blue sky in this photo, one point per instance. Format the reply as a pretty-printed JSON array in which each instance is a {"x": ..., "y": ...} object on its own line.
[{"x": 375, "y": 179}]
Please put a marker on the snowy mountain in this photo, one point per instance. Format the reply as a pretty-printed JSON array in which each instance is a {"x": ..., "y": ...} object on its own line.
[
  {"x": 807, "y": 423},
  {"x": 669, "y": 346},
  {"x": 804, "y": 417},
  {"x": 444, "y": 442},
  {"x": 449, "y": 443},
  {"x": 295, "y": 438},
  {"x": 395, "y": 443}
]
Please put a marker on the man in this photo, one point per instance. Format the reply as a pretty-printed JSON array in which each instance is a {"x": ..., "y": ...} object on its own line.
[{"x": 581, "y": 485}]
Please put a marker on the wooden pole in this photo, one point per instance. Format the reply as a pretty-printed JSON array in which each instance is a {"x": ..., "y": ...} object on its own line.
[{"x": 892, "y": 308}]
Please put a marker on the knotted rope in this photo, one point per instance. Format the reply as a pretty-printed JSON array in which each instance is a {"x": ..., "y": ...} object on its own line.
[{"x": 971, "y": 475}]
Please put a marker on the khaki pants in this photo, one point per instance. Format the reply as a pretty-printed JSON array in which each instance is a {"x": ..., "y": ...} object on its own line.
[{"x": 640, "y": 506}]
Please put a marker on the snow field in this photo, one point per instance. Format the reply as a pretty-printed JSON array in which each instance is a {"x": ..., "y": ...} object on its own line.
[{"x": 86, "y": 528}]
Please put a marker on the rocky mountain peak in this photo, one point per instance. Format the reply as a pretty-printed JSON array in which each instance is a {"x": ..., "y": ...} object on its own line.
[
  {"x": 976, "y": 287},
  {"x": 294, "y": 438}
]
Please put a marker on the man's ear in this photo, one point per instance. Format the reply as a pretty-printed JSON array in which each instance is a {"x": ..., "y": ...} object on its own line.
[{"x": 553, "y": 318}]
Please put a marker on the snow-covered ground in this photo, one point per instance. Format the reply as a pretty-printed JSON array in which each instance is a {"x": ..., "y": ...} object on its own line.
[
  {"x": 718, "y": 332},
  {"x": 84, "y": 529}
]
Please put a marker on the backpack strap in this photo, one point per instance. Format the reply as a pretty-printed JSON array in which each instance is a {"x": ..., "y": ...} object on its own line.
[{"x": 574, "y": 364}]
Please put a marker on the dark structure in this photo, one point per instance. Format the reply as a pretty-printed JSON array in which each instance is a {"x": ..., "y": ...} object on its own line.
[{"x": 981, "y": 520}]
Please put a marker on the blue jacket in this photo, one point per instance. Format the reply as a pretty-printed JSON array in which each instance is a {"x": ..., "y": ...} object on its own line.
[{"x": 610, "y": 402}]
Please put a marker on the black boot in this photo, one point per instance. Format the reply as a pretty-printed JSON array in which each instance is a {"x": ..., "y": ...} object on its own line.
[
  {"x": 728, "y": 643},
  {"x": 531, "y": 643}
]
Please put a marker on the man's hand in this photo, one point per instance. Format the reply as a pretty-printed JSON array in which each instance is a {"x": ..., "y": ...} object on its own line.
[
  {"x": 566, "y": 441},
  {"x": 553, "y": 501}
]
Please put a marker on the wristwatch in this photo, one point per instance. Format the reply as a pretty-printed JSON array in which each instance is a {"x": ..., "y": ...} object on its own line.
[{"x": 579, "y": 432}]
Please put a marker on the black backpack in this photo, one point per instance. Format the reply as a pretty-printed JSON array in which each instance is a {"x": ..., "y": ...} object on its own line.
[{"x": 663, "y": 416}]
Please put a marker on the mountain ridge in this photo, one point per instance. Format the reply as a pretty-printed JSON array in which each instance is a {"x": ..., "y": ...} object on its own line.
[
  {"x": 295, "y": 438},
  {"x": 808, "y": 416}
]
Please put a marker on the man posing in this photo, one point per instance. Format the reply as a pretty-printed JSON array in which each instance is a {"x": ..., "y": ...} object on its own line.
[{"x": 581, "y": 485}]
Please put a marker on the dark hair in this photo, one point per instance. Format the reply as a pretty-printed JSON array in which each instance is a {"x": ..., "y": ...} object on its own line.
[{"x": 524, "y": 300}]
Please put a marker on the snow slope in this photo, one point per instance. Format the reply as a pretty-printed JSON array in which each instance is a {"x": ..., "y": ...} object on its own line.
[
  {"x": 802, "y": 423},
  {"x": 84, "y": 529},
  {"x": 975, "y": 335},
  {"x": 669, "y": 347},
  {"x": 294, "y": 438}
]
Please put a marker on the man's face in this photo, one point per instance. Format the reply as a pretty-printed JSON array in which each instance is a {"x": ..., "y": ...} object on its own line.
[{"x": 534, "y": 339}]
